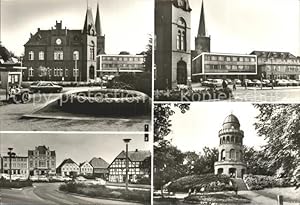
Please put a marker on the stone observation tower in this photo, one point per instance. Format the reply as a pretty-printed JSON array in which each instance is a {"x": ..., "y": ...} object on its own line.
[{"x": 231, "y": 153}]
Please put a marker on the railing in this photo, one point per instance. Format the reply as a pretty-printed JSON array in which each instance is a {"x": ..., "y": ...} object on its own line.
[{"x": 226, "y": 131}]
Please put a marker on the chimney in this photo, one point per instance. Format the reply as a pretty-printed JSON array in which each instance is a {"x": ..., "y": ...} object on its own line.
[
  {"x": 136, "y": 150},
  {"x": 38, "y": 29},
  {"x": 31, "y": 35}
]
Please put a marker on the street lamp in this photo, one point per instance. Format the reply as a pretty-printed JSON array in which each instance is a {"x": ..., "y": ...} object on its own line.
[
  {"x": 11, "y": 155},
  {"x": 127, "y": 140}
]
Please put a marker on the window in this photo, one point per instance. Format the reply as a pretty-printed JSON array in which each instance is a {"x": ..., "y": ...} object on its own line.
[
  {"x": 58, "y": 55},
  {"x": 76, "y": 55},
  {"x": 241, "y": 59},
  {"x": 228, "y": 58},
  {"x": 221, "y": 58},
  {"x": 247, "y": 59},
  {"x": 66, "y": 72},
  {"x": 31, "y": 55},
  {"x": 181, "y": 35},
  {"x": 92, "y": 51},
  {"x": 41, "y": 55},
  {"x": 30, "y": 72},
  {"x": 234, "y": 59},
  {"x": 75, "y": 72},
  {"x": 213, "y": 58}
]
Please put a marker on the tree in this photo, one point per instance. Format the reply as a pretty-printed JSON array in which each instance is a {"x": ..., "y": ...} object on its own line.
[
  {"x": 279, "y": 124},
  {"x": 148, "y": 55},
  {"x": 168, "y": 160}
]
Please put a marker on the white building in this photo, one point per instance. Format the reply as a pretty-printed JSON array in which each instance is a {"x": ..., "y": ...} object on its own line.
[
  {"x": 86, "y": 168},
  {"x": 68, "y": 168}
]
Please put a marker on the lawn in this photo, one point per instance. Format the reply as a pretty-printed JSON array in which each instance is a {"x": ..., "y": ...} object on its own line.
[{"x": 289, "y": 193}]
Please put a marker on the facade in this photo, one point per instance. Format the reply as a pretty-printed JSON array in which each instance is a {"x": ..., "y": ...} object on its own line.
[
  {"x": 116, "y": 64},
  {"x": 172, "y": 45},
  {"x": 61, "y": 54},
  {"x": 86, "y": 168},
  {"x": 68, "y": 168},
  {"x": 19, "y": 165},
  {"x": 278, "y": 65},
  {"x": 100, "y": 167},
  {"x": 117, "y": 169},
  {"x": 220, "y": 64},
  {"x": 42, "y": 161},
  {"x": 231, "y": 154}
]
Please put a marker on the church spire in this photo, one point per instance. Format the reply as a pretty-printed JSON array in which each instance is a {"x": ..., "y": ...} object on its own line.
[
  {"x": 98, "y": 22},
  {"x": 202, "y": 30},
  {"x": 89, "y": 25}
]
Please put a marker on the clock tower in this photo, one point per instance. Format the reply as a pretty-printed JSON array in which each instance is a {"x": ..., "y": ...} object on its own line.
[{"x": 173, "y": 36}]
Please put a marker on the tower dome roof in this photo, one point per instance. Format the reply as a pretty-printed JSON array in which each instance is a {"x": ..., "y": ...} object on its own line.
[{"x": 231, "y": 120}]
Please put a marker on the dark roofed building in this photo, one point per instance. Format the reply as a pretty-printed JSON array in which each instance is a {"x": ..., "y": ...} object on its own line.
[
  {"x": 100, "y": 167},
  {"x": 42, "y": 161},
  {"x": 117, "y": 169},
  {"x": 61, "y": 54}
]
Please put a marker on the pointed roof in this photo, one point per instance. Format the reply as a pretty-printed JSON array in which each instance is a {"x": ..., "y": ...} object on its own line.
[
  {"x": 202, "y": 30},
  {"x": 66, "y": 161},
  {"x": 98, "y": 22},
  {"x": 137, "y": 155},
  {"x": 89, "y": 22}
]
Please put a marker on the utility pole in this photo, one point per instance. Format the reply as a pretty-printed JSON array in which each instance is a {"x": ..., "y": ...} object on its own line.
[{"x": 127, "y": 163}]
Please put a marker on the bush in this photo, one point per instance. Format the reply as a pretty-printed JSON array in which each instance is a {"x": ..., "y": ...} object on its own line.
[
  {"x": 143, "y": 180},
  {"x": 14, "y": 184},
  {"x": 102, "y": 191},
  {"x": 257, "y": 182},
  {"x": 139, "y": 81},
  {"x": 202, "y": 183}
]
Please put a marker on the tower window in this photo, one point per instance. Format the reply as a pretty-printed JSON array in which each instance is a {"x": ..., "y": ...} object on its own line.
[
  {"x": 31, "y": 55},
  {"x": 181, "y": 43},
  {"x": 41, "y": 55},
  {"x": 76, "y": 55},
  {"x": 92, "y": 51}
]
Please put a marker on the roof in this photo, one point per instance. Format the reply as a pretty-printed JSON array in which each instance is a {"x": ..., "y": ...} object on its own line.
[
  {"x": 80, "y": 165},
  {"x": 99, "y": 163},
  {"x": 202, "y": 30},
  {"x": 4, "y": 54},
  {"x": 273, "y": 54},
  {"x": 231, "y": 119},
  {"x": 66, "y": 161},
  {"x": 137, "y": 155},
  {"x": 89, "y": 22},
  {"x": 98, "y": 22}
]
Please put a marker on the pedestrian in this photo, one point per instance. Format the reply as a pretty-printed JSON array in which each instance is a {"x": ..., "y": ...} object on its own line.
[
  {"x": 224, "y": 84},
  {"x": 234, "y": 85}
]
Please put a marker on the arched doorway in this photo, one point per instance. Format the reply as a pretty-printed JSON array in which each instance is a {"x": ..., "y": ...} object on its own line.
[
  {"x": 92, "y": 72},
  {"x": 181, "y": 73},
  {"x": 232, "y": 172}
]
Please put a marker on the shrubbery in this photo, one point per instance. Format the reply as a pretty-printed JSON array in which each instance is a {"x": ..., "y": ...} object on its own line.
[
  {"x": 257, "y": 182},
  {"x": 202, "y": 183},
  {"x": 192, "y": 95},
  {"x": 14, "y": 184},
  {"x": 102, "y": 191},
  {"x": 140, "y": 82}
]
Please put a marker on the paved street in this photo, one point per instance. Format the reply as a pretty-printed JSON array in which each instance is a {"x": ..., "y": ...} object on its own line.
[
  {"x": 11, "y": 118},
  {"x": 45, "y": 193},
  {"x": 267, "y": 94}
]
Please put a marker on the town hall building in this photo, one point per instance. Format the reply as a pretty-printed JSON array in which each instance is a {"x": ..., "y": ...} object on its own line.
[{"x": 61, "y": 54}]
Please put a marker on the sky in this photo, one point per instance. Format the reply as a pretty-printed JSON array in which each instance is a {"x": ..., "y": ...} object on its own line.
[
  {"x": 241, "y": 26},
  {"x": 79, "y": 147},
  {"x": 199, "y": 126},
  {"x": 126, "y": 24}
]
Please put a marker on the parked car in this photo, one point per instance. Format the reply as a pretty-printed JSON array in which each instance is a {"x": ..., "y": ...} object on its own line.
[
  {"x": 217, "y": 82},
  {"x": 34, "y": 178},
  {"x": 281, "y": 82},
  {"x": 294, "y": 82},
  {"x": 237, "y": 81},
  {"x": 249, "y": 82},
  {"x": 45, "y": 87},
  {"x": 257, "y": 82},
  {"x": 5, "y": 176},
  {"x": 43, "y": 178},
  {"x": 80, "y": 178},
  {"x": 229, "y": 81},
  {"x": 266, "y": 83}
]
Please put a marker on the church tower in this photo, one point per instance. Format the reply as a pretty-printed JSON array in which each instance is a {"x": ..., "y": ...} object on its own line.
[
  {"x": 231, "y": 152},
  {"x": 89, "y": 47},
  {"x": 172, "y": 43},
  {"x": 100, "y": 36},
  {"x": 202, "y": 41}
]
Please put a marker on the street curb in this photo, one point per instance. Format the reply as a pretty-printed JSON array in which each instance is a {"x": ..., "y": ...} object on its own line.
[{"x": 113, "y": 199}]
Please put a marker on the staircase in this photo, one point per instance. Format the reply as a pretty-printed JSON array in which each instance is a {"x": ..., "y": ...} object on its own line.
[{"x": 240, "y": 184}]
